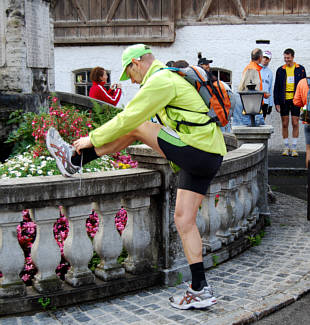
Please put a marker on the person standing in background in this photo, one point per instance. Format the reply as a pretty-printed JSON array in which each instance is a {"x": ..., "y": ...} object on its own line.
[
  {"x": 203, "y": 62},
  {"x": 302, "y": 99},
  {"x": 287, "y": 79},
  {"x": 267, "y": 80},
  {"x": 250, "y": 75},
  {"x": 99, "y": 77}
]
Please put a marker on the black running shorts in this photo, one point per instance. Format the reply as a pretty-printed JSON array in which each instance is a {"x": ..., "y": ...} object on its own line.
[
  {"x": 288, "y": 107},
  {"x": 197, "y": 167}
]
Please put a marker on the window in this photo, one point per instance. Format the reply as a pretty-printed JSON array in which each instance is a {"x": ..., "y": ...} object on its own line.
[
  {"x": 222, "y": 74},
  {"x": 262, "y": 41},
  {"x": 82, "y": 82}
]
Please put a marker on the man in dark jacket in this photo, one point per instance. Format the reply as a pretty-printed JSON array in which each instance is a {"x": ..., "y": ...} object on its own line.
[{"x": 287, "y": 78}]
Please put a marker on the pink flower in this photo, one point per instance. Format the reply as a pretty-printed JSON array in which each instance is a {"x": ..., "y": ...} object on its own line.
[
  {"x": 28, "y": 267},
  {"x": 26, "y": 277}
]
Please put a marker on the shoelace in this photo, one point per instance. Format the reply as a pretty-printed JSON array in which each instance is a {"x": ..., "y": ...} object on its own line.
[{"x": 80, "y": 173}]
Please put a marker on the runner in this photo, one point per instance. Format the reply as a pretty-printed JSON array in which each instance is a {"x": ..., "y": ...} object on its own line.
[{"x": 197, "y": 151}]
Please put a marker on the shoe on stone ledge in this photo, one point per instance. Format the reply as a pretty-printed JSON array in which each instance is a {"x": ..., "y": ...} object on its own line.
[
  {"x": 294, "y": 153},
  {"x": 286, "y": 152},
  {"x": 62, "y": 152},
  {"x": 194, "y": 299}
]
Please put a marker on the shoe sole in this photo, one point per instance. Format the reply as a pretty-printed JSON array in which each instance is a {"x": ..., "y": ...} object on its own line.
[
  {"x": 197, "y": 304},
  {"x": 58, "y": 163}
]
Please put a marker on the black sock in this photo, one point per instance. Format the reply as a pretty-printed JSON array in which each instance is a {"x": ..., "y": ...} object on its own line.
[
  {"x": 89, "y": 154},
  {"x": 198, "y": 276}
]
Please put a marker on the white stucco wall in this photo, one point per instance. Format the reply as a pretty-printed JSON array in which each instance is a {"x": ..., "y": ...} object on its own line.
[{"x": 228, "y": 45}]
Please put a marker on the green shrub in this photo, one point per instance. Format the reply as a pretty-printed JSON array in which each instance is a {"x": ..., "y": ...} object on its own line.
[{"x": 102, "y": 113}]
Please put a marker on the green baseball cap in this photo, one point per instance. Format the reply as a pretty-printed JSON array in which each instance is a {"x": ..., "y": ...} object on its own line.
[{"x": 132, "y": 52}]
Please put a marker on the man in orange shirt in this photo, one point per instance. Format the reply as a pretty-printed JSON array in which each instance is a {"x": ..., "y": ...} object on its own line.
[
  {"x": 250, "y": 74},
  {"x": 300, "y": 100},
  {"x": 256, "y": 59}
]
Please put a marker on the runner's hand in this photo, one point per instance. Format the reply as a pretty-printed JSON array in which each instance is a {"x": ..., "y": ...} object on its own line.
[
  {"x": 278, "y": 108},
  {"x": 82, "y": 143}
]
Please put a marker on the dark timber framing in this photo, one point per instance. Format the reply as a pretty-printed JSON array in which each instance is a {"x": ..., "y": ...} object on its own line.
[{"x": 155, "y": 21}]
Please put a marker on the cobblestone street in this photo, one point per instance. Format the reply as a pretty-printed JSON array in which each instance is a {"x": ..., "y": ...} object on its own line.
[{"x": 265, "y": 278}]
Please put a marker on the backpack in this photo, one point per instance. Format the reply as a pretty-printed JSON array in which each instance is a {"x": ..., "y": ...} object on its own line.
[{"x": 216, "y": 95}]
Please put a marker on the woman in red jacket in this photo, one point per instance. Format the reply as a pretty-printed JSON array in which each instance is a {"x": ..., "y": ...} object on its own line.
[{"x": 99, "y": 77}]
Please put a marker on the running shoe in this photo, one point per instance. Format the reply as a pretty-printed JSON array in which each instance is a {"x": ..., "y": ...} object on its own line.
[
  {"x": 286, "y": 152},
  {"x": 62, "y": 152},
  {"x": 194, "y": 299},
  {"x": 294, "y": 153}
]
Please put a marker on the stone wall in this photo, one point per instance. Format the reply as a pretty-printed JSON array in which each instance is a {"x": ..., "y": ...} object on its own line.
[
  {"x": 27, "y": 43},
  {"x": 26, "y": 60},
  {"x": 155, "y": 254},
  {"x": 229, "y": 47}
]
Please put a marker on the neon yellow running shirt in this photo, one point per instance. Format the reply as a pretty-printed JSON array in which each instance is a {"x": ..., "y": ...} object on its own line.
[
  {"x": 158, "y": 90},
  {"x": 290, "y": 82}
]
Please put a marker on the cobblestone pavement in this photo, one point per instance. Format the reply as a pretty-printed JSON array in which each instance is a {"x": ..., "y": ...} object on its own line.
[{"x": 263, "y": 279}]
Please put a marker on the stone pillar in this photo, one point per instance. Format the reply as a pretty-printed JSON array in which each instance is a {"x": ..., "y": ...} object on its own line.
[
  {"x": 78, "y": 248},
  {"x": 259, "y": 134},
  {"x": 237, "y": 208},
  {"x": 255, "y": 191},
  {"x": 108, "y": 268},
  {"x": 226, "y": 211},
  {"x": 137, "y": 235},
  {"x": 148, "y": 158},
  {"x": 12, "y": 258},
  {"x": 246, "y": 200},
  {"x": 212, "y": 218},
  {"x": 45, "y": 252}
]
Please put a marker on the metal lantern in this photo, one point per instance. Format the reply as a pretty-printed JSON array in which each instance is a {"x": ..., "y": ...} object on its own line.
[{"x": 251, "y": 102}]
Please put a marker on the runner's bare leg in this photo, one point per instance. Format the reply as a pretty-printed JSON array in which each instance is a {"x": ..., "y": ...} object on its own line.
[
  {"x": 187, "y": 202},
  {"x": 187, "y": 205},
  {"x": 146, "y": 132}
]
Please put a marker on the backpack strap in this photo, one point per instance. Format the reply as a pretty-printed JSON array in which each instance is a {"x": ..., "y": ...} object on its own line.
[
  {"x": 202, "y": 80},
  {"x": 159, "y": 120},
  {"x": 212, "y": 119}
]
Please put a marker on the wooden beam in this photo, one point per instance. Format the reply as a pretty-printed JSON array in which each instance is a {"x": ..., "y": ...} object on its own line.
[
  {"x": 115, "y": 40},
  {"x": 144, "y": 10},
  {"x": 79, "y": 10},
  {"x": 112, "y": 10},
  {"x": 204, "y": 10},
  {"x": 240, "y": 9},
  {"x": 101, "y": 23},
  {"x": 177, "y": 10}
]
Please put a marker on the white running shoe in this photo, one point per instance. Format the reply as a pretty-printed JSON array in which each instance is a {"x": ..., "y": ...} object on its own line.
[
  {"x": 294, "y": 153},
  {"x": 286, "y": 152},
  {"x": 62, "y": 152},
  {"x": 194, "y": 299}
]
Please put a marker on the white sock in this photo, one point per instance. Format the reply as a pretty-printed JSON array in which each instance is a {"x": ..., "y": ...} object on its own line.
[
  {"x": 286, "y": 142},
  {"x": 294, "y": 143}
]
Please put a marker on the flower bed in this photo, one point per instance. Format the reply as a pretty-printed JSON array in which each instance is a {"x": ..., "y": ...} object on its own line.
[{"x": 30, "y": 154}]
